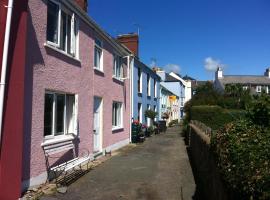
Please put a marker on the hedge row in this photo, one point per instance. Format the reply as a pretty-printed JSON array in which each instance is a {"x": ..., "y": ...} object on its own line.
[
  {"x": 214, "y": 116},
  {"x": 242, "y": 151}
]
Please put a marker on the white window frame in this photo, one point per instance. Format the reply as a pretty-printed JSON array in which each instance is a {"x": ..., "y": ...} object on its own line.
[
  {"x": 74, "y": 31},
  {"x": 258, "y": 88},
  {"x": 267, "y": 89},
  {"x": 148, "y": 85},
  {"x": 140, "y": 79},
  {"x": 57, "y": 44},
  {"x": 245, "y": 87},
  {"x": 118, "y": 126},
  {"x": 99, "y": 48},
  {"x": 117, "y": 67},
  {"x": 148, "y": 120},
  {"x": 75, "y": 110},
  {"x": 155, "y": 88},
  {"x": 140, "y": 112}
]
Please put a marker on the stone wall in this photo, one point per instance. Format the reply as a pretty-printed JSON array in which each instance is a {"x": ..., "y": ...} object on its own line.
[{"x": 209, "y": 183}]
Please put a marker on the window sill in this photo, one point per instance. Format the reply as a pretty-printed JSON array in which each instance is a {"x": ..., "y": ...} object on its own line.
[
  {"x": 117, "y": 128},
  {"x": 57, "y": 139},
  {"x": 61, "y": 51},
  {"x": 118, "y": 79},
  {"x": 98, "y": 70}
]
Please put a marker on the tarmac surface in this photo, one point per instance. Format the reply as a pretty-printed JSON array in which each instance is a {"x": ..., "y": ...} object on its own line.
[{"x": 158, "y": 169}]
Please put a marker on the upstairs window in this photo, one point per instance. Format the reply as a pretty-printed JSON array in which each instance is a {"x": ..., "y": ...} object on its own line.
[
  {"x": 155, "y": 88},
  {"x": 139, "y": 80},
  {"x": 62, "y": 28},
  {"x": 148, "y": 85},
  {"x": 117, "y": 67},
  {"x": 98, "y": 55},
  {"x": 259, "y": 89}
]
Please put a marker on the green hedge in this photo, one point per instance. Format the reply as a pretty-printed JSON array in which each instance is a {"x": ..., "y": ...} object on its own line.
[
  {"x": 242, "y": 151},
  {"x": 214, "y": 116}
]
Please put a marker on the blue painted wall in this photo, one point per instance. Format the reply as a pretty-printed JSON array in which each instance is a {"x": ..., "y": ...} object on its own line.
[{"x": 143, "y": 98}]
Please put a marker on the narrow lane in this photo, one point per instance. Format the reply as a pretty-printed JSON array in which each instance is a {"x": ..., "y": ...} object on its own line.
[{"x": 158, "y": 169}]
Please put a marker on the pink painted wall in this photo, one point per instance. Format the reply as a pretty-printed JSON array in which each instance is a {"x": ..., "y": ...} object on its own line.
[{"x": 51, "y": 70}]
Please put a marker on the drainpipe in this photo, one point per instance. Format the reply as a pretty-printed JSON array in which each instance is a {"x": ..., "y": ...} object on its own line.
[
  {"x": 131, "y": 96},
  {"x": 4, "y": 62}
]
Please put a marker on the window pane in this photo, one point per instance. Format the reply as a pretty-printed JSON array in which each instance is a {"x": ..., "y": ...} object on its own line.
[
  {"x": 68, "y": 34},
  {"x": 63, "y": 31},
  {"x": 97, "y": 57},
  {"x": 98, "y": 42},
  {"x": 139, "y": 80},
  {"x": 52, "y": 22},
  {"x": 70, "y": 113},
  {"x": 59, "y": 114},
  {"x": 48, "y": 114}
]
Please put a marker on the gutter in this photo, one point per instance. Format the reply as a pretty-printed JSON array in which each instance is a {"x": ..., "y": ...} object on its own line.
[{"x": 4, "y": 63}]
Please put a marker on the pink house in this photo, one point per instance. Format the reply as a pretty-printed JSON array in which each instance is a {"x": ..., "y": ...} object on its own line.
[{"x": 77, "y": 87}]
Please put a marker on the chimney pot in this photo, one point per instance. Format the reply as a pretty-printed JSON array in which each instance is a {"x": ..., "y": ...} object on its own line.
[
  {"x": 83, "y": 4},
  {"x": 267, "y": 72},
  {"x": 219, "y": 73}
]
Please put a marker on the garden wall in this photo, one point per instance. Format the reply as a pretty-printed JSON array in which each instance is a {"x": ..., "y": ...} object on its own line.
[{"x": 208, "y": 179}]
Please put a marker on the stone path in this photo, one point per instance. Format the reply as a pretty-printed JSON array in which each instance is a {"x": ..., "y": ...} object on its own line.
[{"x": 158, "y": 169}]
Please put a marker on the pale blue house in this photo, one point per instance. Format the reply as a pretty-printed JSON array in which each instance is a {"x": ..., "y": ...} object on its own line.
[{"x": 145, "y": 92}]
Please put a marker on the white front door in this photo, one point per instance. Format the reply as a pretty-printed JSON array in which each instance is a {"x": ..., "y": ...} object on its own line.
[{"x": 97, "y": 124}]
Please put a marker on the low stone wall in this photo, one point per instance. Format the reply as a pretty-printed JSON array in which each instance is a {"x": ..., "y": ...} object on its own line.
[{"x": 208, "y": 179}]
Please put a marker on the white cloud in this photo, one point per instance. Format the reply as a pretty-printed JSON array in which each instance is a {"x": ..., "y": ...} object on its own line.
[
  {"x": 172, "y": 68},
  {"x": 211, "y": 64}
]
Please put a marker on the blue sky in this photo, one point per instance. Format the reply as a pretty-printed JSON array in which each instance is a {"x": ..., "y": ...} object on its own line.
[{"x": 193, "y": 34}]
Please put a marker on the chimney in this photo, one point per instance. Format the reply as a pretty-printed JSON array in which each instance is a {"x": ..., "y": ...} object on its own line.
[
  {"x": 267, "y": 72},
  {"x": 219, "y": 73},
  {"x": 131, "y": 41},
  {"x": 82, "y": 4}
]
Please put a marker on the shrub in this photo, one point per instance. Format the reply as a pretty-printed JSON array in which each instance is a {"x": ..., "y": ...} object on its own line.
[
  {"x": 259, "y": 111},
  {"x": 242, "y": 152},
  {"x": 215, "y": 116},
  {"x": 150, "y": 114}
]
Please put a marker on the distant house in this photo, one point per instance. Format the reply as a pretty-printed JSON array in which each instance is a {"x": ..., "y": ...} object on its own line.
[
  {"x": 145, "y": 82},
  {"x": 175, "y": 86},
  {"x": 256, "y": 83},
  {"x": 169, "y": 104}
]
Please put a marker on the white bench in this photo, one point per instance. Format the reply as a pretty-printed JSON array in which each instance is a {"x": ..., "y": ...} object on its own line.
[{"x": 63, "y": 147}]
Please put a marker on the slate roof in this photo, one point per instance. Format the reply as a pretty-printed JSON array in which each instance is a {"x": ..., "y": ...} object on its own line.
[
  {"x": 169, "y": 78},
  {"x": 245, "y": 80},
  {"x": 186, "y": 77}
]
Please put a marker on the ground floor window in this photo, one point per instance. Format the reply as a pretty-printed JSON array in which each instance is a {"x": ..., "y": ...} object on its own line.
[
  {"x": 148, "y": 120},
  {"x": 59, "y": 114},
  {"x": 117, "y": 115},
  {"x": 140, "y": 112}
]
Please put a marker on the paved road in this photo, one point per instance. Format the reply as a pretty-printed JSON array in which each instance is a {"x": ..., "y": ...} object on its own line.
[{"x": 158, "y": 169}]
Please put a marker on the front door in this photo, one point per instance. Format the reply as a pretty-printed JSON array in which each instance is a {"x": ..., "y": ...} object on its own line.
[{"x": 97, "y": 124}]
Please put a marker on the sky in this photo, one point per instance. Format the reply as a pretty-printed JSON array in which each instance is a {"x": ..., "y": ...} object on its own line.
[{"x": 193, "y": 36}]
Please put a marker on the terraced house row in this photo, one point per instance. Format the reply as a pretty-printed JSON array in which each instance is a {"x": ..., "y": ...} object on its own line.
[{"x": 64, "y": 83}]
